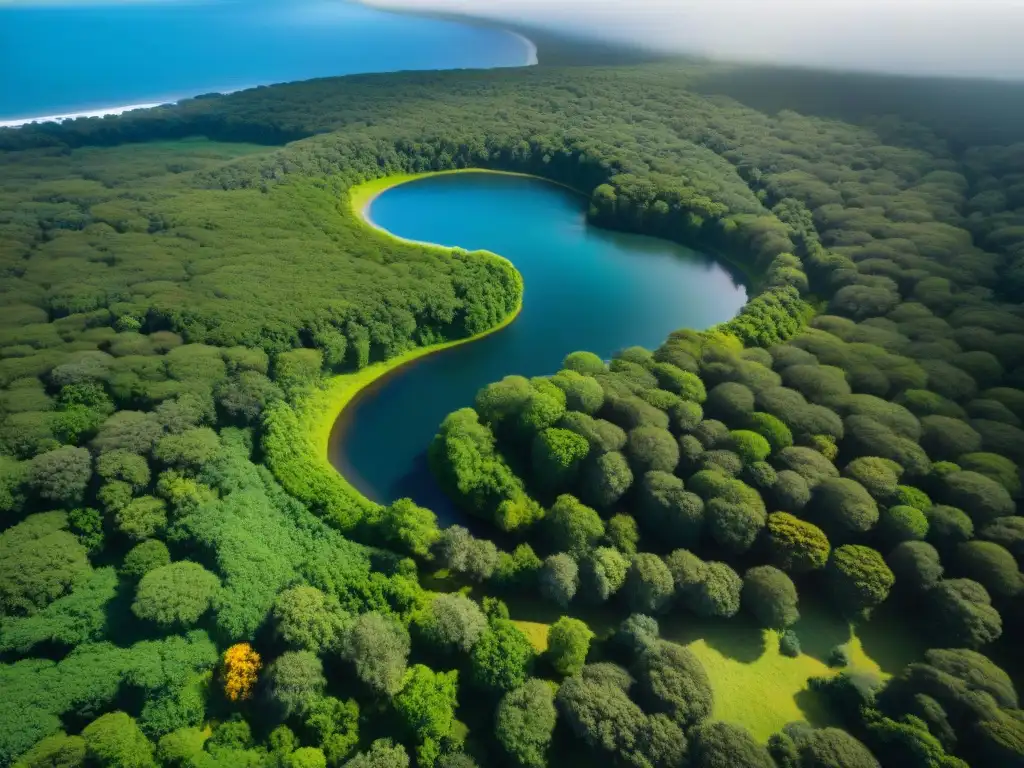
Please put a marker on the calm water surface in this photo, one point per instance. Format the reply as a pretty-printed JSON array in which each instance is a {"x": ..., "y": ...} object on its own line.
[
  {"x": 586, "y": 288},
  {"x": 73, "y": 57}
]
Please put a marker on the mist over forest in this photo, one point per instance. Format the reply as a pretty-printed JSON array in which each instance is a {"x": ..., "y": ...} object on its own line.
[{"x": 970, "y": 38}]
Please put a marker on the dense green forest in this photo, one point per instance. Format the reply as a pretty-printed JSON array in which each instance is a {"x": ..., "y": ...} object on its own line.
[{"x": 183, "y": 584}]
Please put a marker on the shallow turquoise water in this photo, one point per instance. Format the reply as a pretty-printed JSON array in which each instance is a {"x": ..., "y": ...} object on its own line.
[
  {"x": 62, "y": 57},
  {"x": 586, "y": 288}
]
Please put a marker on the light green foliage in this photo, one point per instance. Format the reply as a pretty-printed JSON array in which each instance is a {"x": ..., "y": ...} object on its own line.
[
  {"x": 568, "y": 644},
  {"x": 307, "y": 619},
  {"x": 573, "y": 527},
  {"x": 582, "y": 393},
  {"x": 750, "y": 446},
  {"x": 948, "y": 526},
  {"x": 378, "y": 648},
  {"x": 115, "y": 741},
  {"x": 623, "y": 534},
  {"x": 525, "y": 723},
  {"x": 453, "y": 623},
  {"x": 141, "y": 518},
  {"x": 190, "y": 450},
  {"x": 408, "y": 527},
  {"x": 175, "y": 595},
  {"x": 901, "y": 523},
  {"x": 501, "y": 658},
  {"x": 426, "y": 705},
  {"x": 910, "y": 496},
  {"x": 57, "y": 751},
  {"x": 125, "y": 467},
  {"x": 586, "y": 363},
  {"x": 294, "y": 681},
  {"x": 459, "y": 551},
  {"x": 880, "y": 477},
  {"x": 145, "y": 557}
]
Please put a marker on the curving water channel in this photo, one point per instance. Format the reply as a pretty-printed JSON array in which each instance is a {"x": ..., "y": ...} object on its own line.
[{"x": 585, "y": 288}]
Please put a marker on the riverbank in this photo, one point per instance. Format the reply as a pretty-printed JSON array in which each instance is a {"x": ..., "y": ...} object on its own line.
[{"x": 298, "y": 438}]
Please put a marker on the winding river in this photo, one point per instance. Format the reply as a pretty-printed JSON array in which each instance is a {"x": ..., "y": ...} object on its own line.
[{"x": 586, "y": 288}]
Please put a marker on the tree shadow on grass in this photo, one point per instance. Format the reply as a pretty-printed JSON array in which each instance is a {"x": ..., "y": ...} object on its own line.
[
  {"x": 735, "y": 638},
  {"x": 889, "y": 639},
  {"x": 814, "y": 709},
  {"x": 820, "y": 630}
]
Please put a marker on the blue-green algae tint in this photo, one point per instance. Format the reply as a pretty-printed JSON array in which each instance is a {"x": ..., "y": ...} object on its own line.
[{"x": 586, "y": 288}]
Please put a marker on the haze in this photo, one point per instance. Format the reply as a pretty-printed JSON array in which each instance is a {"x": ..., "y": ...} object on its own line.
[{"x": 977, "y": 38}]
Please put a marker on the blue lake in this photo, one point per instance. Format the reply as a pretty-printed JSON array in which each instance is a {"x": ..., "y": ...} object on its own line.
[
  {"x": 586, "y": 288},
  {"x": 58, "y": 59}
]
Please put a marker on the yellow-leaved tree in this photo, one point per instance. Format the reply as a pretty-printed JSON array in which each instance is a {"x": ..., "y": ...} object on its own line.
[{"x": 241, "y": 667}]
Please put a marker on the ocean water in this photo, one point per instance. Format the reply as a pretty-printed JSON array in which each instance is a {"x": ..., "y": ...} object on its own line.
[
  {"x": 58, "y": 59},
  {"x": 585, "y": 288}
]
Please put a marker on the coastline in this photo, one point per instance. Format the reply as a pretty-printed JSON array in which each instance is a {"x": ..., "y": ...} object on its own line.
[{"x": 106, "y": 111}]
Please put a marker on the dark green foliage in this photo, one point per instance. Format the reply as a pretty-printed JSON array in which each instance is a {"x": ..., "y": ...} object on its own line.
[
  {"x": 1007, "y": 532},
  {"x": 525, "y": 722},
  {"x": 948, "y": 526},
  {"x": 734, "y": 526},
  {"x": 769, "y": 594},
  {"x": 915, "y": 565},
  {"x": 648, "y": 585},
  {"x": 57, "y": 751},
  {"x": 573, "y": 527},
  {"x": 501, "y": 658},
  {"x": 650, "y": 448},
  {"x": 790, "y": 491},
  {"x": 673, "y": 681},
  {"x": 981, "y": 498},
  {"x": 721, "y": 745},
  {"x": 60, "y": 476},
  {"x": 670, "y": 514},
  {"x": 602, "y": 573},
  {"x": 843, "y": 508},
  {"x": 946, "y": 438},
  {"x": 605, "y": 479},
  {"x": 602, "y": 716},
  {"x": 378, "y": 647},
  {"x": 808, "y": 463},
  {"x": 631, "y": 412},
  {"x": 990, "y": 565},
  {"x": 995, "y": 467},
  {"x": 125, "y": 467},
  {"x": 963, "y": 613},
  {"x": 559, "y": 579},
  {"x": 557, "y": 455},
  {"x": 859, "y": 578},
  {"x": 602, "y": 436},
  {"x": 710, "y": 590},
  {"x": 381, "y": 754},
  {"x": 712, "y": 434},
  {"x": 568, "y": 644},
  {"x": 833, "y": 748},
  {"x": 879, "y": 476},
  {"x": 977, "y": 672},
  {"x": 789, "y": 644},
  {"x": 730, "y": 402},
  {"x": 623, "y": 534},
  {"x": 39, "y": 562}
]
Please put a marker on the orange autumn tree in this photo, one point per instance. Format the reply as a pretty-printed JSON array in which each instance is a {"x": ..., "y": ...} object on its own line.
[{"x": 241, "y": 666}]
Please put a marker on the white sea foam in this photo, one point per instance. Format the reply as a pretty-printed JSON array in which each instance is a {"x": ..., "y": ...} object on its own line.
[{"x": 102, "y": 112}]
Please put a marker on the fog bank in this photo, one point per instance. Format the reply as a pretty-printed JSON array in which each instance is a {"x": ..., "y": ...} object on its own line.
[{"x": 940, "y": 37}]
